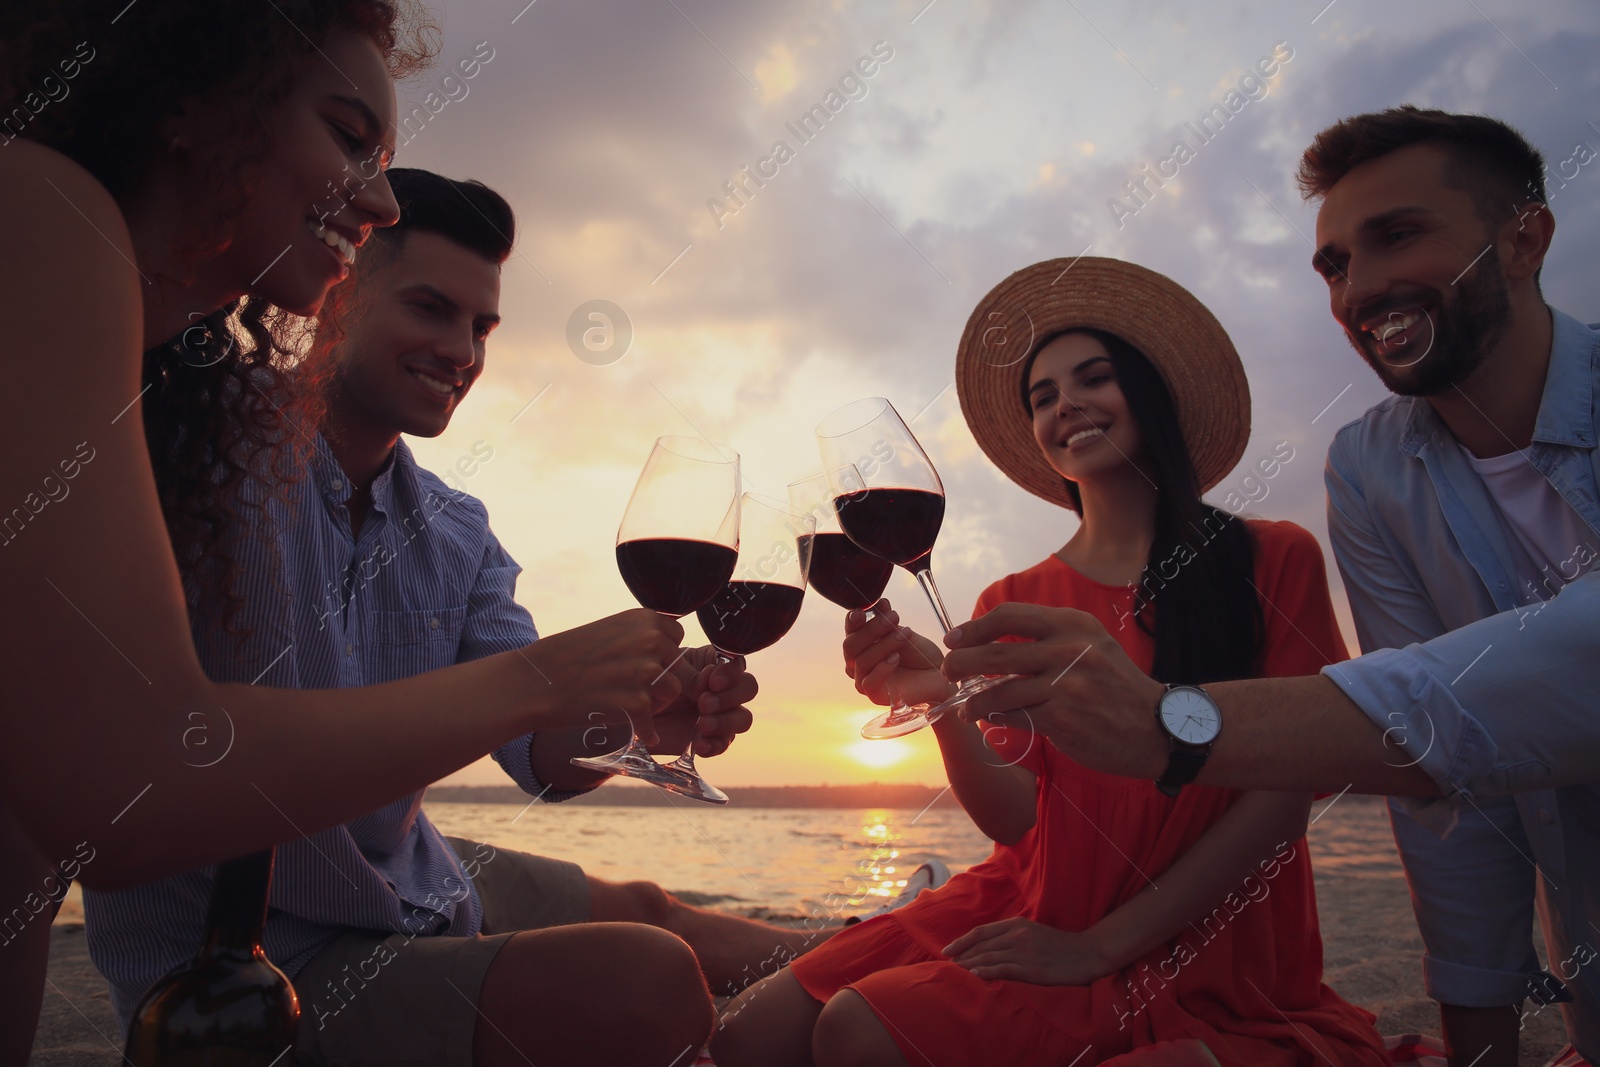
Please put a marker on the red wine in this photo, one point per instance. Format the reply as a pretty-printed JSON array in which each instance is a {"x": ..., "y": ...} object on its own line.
[
  {"x": 748, "y": 616},
  {"x": 849, "y": 576},
  {"x": 229, "y": 1005},
  {"x": 674, "y": 575},
  {"x": 899, "y": 525}
]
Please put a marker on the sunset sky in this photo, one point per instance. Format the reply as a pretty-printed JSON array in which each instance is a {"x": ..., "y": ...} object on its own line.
[{"x": 987, "y": 137}]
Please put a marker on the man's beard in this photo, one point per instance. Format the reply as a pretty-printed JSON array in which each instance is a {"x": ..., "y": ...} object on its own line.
[{"x": 1464, "y": 331}]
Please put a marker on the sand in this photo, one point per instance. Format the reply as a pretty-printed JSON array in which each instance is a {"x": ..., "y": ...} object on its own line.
[{"x": 1372, "y": 953}]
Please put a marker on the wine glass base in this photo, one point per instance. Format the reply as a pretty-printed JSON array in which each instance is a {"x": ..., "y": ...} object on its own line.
[
  {"x": 909, "y": 718},
  {"x": 690, "y": 784},
  {"x": 631, "y": 764},
  {"x": 897, "y": 722},
  {"x": 969, "y": 689}
]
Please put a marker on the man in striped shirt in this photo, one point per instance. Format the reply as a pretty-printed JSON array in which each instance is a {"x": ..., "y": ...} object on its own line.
[{"x": 369, "y": 569}]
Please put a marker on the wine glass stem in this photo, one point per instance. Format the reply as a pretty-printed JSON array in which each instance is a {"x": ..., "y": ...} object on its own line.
[{"x": 925, "y": 579}]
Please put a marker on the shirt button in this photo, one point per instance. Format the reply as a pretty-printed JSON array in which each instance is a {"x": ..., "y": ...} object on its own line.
[
  {"x": 433, "y": 623},
  {"x": 1544, "y": 817},
  {"x": 349, "y": 650},
  {"x": 337, "y": 487}
]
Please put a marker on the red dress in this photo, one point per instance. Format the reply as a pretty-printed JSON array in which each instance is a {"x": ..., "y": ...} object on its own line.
[{"x": 1245, "y": 979}]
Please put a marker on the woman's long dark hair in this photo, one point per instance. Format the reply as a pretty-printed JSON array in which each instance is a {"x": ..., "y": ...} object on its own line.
[
  {"x": 222, "y": 415},
  {"x": 1199, "y": 577}
]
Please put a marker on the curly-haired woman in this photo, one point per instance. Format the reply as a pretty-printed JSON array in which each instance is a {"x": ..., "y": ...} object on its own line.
[{"x": 188, "y": 181}]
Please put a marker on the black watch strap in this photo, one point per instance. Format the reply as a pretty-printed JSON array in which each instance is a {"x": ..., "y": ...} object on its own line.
[{"x": 1183, "y": 765}]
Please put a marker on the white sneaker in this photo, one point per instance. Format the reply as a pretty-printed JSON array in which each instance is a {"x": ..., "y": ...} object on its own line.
[{"x": 931, "y": 875}]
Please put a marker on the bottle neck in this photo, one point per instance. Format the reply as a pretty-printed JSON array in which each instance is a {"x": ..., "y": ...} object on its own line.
[{"x": 239, "y": 903}]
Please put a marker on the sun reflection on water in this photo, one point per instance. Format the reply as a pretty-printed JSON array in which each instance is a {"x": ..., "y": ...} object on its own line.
[{"x": 876, "y": 871}]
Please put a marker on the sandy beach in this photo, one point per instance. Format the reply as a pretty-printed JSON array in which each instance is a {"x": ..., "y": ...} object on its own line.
[{"x": 1371, "y": 949}]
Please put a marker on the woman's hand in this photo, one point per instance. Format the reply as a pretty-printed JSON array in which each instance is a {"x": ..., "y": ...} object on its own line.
[
  {"x": 617, "y": 669},
  {"x": 890, "y": 663},
  {"x": 1025, "y": 951}
]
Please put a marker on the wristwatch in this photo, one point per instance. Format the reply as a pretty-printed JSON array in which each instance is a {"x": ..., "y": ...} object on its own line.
[{"x": 1192, "y": 722}]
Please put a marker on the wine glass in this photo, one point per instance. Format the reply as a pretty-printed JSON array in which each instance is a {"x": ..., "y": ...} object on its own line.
[
  {"x": 891, "y": 503},
  {"x": 846, "y": 574},
  {"x": 676, "y": 549},
  {"x": 762, "y": 598},
  {"x": 841, "y": 570}
]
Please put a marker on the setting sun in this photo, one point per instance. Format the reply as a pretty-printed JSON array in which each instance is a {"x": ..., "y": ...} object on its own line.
[{"x": 878, "y": 753}]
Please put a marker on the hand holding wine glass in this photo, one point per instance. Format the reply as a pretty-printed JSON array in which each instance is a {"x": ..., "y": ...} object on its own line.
[
  {"x": 890, "y": 663},
  {"x": 712, "y": 709},
  {"x": 891, "y": 503},
  {"x": 676, "y": 548},
  {"x": 611, "y": 671}
]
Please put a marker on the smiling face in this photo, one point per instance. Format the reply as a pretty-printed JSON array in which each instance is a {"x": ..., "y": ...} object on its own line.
[
  {"x": 1080, "y": 416},
  {"x": 417, "y": 341},
  {"x": 320, "y": 189},
  {"x": 1413, "y": 274}
]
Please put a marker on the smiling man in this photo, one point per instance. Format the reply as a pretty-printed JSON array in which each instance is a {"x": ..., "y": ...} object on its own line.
[
  {"x": 406, "y": 946},
  {"x": 424, "y": 306},
  {"x": 1471, "y": 492}
]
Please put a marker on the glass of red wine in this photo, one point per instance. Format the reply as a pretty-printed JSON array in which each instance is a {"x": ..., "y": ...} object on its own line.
[
  {"x": 846, "y": 574},
  {"x": 762, "y": 598},
  {"x": 676, "y": 549},
  {"x": 890, "y": 502}
]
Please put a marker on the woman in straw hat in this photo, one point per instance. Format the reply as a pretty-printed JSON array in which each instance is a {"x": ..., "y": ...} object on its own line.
[{"x": 1115, "y": 917}]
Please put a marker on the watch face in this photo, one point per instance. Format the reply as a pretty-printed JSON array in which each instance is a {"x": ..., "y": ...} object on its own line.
[{"x": 1190, "y": 716}]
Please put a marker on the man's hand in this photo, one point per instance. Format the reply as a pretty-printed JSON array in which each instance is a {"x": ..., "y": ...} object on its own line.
[
  {"x": 710, "y": 710},
  {"x": 1025, "y": 951},
  {"x": 616, "y": 670},
  {"x": 889, "y": 662},
  {"x": 1081, "y": 691}
]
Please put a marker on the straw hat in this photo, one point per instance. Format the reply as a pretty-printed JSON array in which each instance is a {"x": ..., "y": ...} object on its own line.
[{"x": 1184, "y": 341}]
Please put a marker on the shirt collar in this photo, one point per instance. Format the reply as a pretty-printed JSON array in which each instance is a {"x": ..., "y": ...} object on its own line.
[
  {"x": 1421, "y": 425},
  {"x": 1566, "y": 405},
  {"x": 1566, "y": 408},
  {"x": 335, "y": 485}
]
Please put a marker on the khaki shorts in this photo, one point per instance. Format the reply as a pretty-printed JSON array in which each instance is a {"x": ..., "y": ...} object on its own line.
[{"x": 397, "y": 1000}]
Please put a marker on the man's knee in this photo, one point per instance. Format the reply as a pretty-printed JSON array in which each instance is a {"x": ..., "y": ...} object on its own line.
[
  {"x": 671, "y": 987},
  {"x": 649, "y": 976}
]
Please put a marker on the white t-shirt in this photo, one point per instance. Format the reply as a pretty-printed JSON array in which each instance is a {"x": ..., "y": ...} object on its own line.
[{"x": 1550, "y": 543}]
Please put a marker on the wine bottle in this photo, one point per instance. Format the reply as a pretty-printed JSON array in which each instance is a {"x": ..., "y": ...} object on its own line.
[{"x": 229, "y": 1006}]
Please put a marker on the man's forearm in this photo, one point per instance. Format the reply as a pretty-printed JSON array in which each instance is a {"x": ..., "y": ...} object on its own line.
[{"x": 1304, "y": 733}]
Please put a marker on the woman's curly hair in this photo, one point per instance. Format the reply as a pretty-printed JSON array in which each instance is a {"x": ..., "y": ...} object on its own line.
[{"x": 225, "y": 413}]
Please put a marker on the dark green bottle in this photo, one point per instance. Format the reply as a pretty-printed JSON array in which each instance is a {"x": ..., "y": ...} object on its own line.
[{"x": 229, "y": 1006}]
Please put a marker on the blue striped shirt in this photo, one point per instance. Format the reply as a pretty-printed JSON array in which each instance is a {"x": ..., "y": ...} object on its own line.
[{"x": 425, "y": 585}]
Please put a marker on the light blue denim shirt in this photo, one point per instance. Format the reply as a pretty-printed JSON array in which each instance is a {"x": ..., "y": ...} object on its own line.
[
  {"x": 1490, "y": 685},
  {"x": 424, "y": 585}
]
